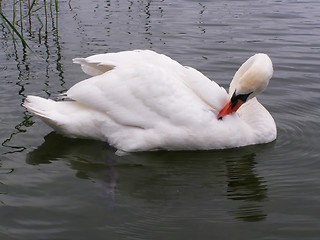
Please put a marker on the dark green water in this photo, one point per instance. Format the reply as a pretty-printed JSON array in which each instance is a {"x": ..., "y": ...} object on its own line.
[{"x": 53, "y": 187}]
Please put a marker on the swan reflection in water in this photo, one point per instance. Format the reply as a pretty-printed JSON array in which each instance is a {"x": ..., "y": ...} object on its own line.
[
  {"x": 246, "y": 186},
  {"x": 200, "y": 181}
]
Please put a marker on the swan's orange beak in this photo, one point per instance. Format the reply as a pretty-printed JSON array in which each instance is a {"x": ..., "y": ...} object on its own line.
[
  {"x": 233, "y": 105},
  {"x": 229, "y": 108}
]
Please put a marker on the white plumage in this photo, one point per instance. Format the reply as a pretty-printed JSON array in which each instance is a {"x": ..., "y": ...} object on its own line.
[{"x": 141, "y": 100}]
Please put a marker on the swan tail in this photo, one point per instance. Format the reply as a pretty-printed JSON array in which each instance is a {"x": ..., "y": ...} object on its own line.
[
  {"x": 69, "y": 118},
  {"x": 42, "y": 108}
]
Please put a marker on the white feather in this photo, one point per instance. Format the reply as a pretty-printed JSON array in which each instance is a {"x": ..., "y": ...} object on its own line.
[{"x": 140, "y": 100}]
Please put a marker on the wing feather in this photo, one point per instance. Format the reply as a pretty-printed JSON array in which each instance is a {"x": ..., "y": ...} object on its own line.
[{"x": 145, "y": 89}]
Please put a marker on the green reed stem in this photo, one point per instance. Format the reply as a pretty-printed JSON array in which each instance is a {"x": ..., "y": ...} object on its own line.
[
  {"x": 21, "y": 15},
  {"x": 12, "y": 26},
  {"x": 13, "y": 30},
  {"x": 14, "y": 12}
]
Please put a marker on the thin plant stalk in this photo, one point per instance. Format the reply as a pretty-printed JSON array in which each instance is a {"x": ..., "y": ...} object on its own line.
[
  {"x": 21, "y": 22},
  {"x": 14, "y": 30},
  {"x": 27, "y": 9},
  {"x": 14, "y": 14},
  {"x": 29, "y": 6},
  {"x": 57, "y": 10},
  {"x": 40, "y": 28},
  {"x": 45, "y": 13}
]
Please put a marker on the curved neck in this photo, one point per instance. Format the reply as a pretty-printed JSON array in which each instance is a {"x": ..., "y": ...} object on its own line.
[
  {"x": 253, "y": 75},
  {"x": 238, "y": 75}
]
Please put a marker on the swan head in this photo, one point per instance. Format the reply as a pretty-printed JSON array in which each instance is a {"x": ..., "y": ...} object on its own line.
[{"x": 249, "y": 81}]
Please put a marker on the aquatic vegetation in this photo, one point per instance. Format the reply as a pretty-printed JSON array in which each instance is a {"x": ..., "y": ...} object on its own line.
[{"x": 28, "y": 17}]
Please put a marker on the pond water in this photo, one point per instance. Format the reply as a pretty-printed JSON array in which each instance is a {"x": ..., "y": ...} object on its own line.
[{"x": 52, "y": 187}]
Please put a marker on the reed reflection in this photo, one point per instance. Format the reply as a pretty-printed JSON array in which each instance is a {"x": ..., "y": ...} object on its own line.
[{"x": 28, "y": 63}]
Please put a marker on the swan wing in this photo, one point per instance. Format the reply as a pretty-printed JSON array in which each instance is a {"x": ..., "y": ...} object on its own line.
[
  {"x": 144, "y": 89},
  {"x": 101, "y": 63}
]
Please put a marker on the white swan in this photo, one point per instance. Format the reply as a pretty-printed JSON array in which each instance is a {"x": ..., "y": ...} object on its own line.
[{"x": 141, "y": 100}]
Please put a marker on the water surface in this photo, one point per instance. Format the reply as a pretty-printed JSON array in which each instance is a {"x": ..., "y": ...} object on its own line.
[{"x": 52, "y": 187}]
